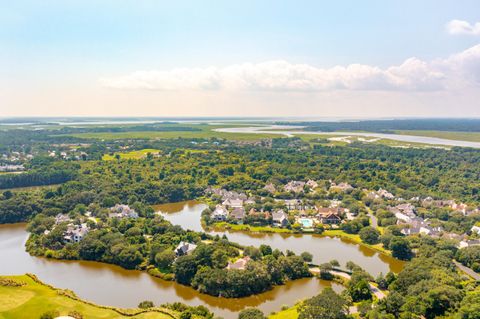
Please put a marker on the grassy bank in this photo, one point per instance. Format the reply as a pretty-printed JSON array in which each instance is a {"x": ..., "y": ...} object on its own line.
[
  {"x": 289, "y": 313},
  {"x": 327, "y": 233},
  {"x": 356, "y": 239},
  {"x": 33, "y": 298}
]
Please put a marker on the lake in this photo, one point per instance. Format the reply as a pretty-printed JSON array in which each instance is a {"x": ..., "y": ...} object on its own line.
[{"x": 111, "y": 285}]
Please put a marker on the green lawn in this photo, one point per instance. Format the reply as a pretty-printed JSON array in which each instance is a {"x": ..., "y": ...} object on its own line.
[
  {"x": 260, "y": 229},
  {"x": 290, "y": 313},
  {"x": 131, "y": 155},
  {"x": 35, "y": 298},
  {"x": 460, "y": 136}
]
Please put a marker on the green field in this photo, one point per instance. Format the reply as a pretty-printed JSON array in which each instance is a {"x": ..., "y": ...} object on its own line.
[
  {"x": 35, "y": 298},
  {"x": 206, "y": 131},
  {"x": 131, "y": 155},
  {"x": 459, "y": 136},
  {"x": 290, "y": 313}
]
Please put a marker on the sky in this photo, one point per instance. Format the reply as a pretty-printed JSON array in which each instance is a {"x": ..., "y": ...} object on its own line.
[{"x": 240, "y": 58}]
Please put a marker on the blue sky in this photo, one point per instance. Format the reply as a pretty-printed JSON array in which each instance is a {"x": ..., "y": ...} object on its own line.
[{"x": 58, "y": 52}]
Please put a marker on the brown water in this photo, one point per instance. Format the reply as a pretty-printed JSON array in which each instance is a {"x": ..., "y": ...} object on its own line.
[
  {"x": 187, "y": 214},
  {"x": 112, "y": 285}
]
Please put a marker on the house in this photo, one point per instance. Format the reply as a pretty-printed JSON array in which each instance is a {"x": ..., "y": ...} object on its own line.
[
  {"x": 270, "y": 188},
  {"x": 239, "y": 264},
  {"x": 312, "y": 184},
  {"x": 385, "y": 194},
  {"x": 294, "y": 186},
  {"x": 423, "y": 229},
  {"x": 122, "y": 211},
  {"x": 280, "y": 218},
  {"x": 328, "y": 215},
  {"x": 250, "y": 201},
  {"x": 344, "y": 187},
  {"x": 185, "y": 248},
  {"x": 238, "y": 213},
  {"x": 468, "y": 243},
  {"x": 475, "y": 229},
  {"x": 233, "y": 203},
  {"x": 404, "y": 212},
  {"x": 220, "y": 213},
  {"x": 62, "y": 218},
  {"x": 75, "y": 233},
  {"x": 294, "y": 204}
]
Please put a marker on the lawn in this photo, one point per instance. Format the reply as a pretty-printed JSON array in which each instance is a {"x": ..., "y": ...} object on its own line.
[
  {"x": 35, "y": 298},
  {"x": 131, "y": 155},
  {"x": 260, "y": 229},
  {"x": 290, "y": 313},
  {"x": 460, "y": 136}
]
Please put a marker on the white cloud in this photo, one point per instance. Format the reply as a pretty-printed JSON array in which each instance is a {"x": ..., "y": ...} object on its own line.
[
  {"x": 463, "y": 27},
  {"x": 459, "y": 70}
]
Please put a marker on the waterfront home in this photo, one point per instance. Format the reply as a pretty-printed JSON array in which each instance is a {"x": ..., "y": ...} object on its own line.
[
  {"x": 122, "y": 211},
  {"x": 270, "y": 188},
  {"x": 232, "y": 203},
  {"x": 328, "y": 215},
  {"x": 239, "y": 264},
  {"x": 280, "y": 218},
  {"x": 185, "y": 248},
  {"x": 75, "y": 233},
  {"x": 423, "y": 229},
  {"x": 238, "y": 213},
  {"x": 220, "y": 213},
  {"x": 294, "y": 186}
]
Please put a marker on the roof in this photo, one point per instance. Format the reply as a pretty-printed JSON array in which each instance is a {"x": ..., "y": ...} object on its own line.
[
  {"x": 239, "y": 264},
  {"x": 279, "y": 215}
]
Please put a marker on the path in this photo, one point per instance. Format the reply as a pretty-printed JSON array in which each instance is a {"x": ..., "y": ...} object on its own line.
[
  {"x": 467, "y": 270},
  {"x": 373, "y": 219},
  {"x": 377, "y": 292}
]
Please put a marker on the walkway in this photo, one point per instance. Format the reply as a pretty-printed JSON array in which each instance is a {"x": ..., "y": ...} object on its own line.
[
  {"x": 467, "y": 270},
  {"x": 377, "y": 292}
]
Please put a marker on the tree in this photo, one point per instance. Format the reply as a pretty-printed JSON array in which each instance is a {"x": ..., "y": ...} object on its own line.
[
  {"x": 400, "y": 248},
  {"x": 50, "y": 314},
  {"x": 369, "y": 235},
  {"x": 165, "y": 258},
  {"x": 306, "y": 256},
  {"x": 251, "y": 313},
  {"x": 185, "y": 268},
  {"x": 327, "y": 305},
  {"x": 146, "y": 304},
  {"x": 266, "y": 250},
  {"x": 360, "y": 290}
]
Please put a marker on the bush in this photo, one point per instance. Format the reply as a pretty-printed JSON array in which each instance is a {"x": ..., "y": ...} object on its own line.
[
  {"x": 369, "y": 235},
  {"x": 146, "y": 304},
  {"x": 51, "y": 314},
  {"x": 251, "y": 313}
]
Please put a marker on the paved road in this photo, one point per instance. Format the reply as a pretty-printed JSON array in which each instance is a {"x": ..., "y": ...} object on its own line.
[
  {"x": 377, "y": 292},
  {"x": 467, "y": 270},
  {"x": 373, "y": 219}
]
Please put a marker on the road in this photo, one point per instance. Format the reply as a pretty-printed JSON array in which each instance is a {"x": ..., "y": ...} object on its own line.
[
  {"x": 467, "y": 270},
  {"x": 377, "y": 292}
]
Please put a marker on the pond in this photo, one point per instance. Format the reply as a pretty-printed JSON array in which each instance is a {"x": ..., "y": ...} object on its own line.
[
  {"x": 111, "y": 285},
  {"x": 187, "y": 214}
]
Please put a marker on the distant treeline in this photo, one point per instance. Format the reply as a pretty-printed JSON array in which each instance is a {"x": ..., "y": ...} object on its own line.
[
  {"x": 36, "y": 178},
  {"x": 387, "y": 126}
]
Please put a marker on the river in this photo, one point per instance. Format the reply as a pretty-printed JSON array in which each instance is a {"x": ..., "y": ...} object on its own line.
[
  {"x": 111, "y": 285},
  {"x": 291, "y": 130}
]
